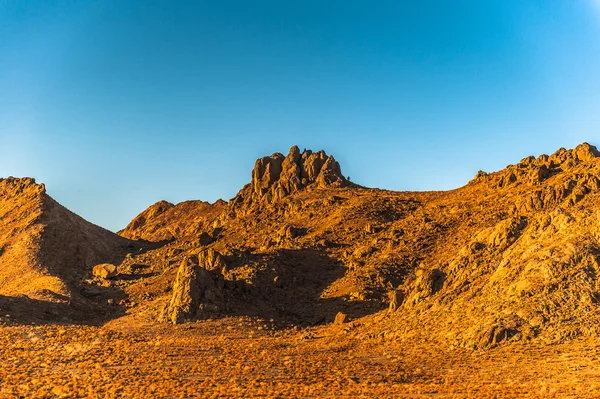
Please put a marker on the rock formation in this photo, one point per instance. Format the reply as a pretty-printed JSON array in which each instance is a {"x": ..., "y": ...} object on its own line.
[
  {"x": 212, "y": 260},
  {"x": 105, "y": 270},
  {"x": 197, "y": 290},
  {"x": 275, "y": 177}
]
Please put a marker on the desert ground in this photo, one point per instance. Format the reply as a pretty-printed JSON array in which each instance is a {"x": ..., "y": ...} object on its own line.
[{"x": 241, "y": 357}]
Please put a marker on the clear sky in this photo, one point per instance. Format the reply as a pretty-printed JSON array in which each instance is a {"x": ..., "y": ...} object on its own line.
[{"x": 116, "y": 104}]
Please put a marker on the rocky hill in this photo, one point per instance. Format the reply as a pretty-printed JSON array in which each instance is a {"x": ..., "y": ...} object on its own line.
[
  {"x": 511, "y": 256},
  {"x": 164, "y": 221},
  {"x": 46, "y": 251},
  {"x": 522, "y": 265}
]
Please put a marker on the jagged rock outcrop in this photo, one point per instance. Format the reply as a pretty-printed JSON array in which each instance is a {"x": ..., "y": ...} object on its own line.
[
  {"x": 545, "y": 182},
  {"x": 535, "y": 171},
  {"x": 198, "y": 288},
  {"x": 277, "y": 176},
  {"x": 212, "y": 260}
]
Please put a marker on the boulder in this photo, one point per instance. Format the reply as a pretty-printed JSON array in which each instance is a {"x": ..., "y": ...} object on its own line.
[
  {"x": 195, "y": 291},
  {"x": 105, "y": 270},
  {"x": 340, "y": 318},
  {"x": 396, "y": 298},
  {"x": 291, "y": 232},
  {"x": 495, "y": 335},
  {"x": 428, "y": 282}
]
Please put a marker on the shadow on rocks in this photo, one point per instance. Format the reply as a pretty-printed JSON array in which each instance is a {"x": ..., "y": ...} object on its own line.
[{"x": 286, "y": 288}]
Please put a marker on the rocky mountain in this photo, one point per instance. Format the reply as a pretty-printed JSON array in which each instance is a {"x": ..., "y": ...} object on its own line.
[{"x": 512, "y": 256}]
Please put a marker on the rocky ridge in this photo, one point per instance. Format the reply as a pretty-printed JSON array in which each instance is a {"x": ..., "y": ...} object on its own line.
[
  {"x": 512, "y": 256},
  {"x": 508, "y": 257},
  {"x": 528, "y": 271}
]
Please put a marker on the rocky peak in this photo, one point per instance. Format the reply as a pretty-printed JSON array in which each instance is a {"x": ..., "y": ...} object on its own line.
[
  {"x": 152, "y": 211},
  {"x": 583, "y": 153},
  {"x": 277, "y": 176}
]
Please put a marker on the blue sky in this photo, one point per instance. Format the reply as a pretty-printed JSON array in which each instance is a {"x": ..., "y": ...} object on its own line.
[{"x": 116, "y": 104}]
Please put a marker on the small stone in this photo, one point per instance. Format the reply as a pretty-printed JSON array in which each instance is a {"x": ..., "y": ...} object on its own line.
[
  {"x": 396, "y": 298},
  {"x": 340, "y": 318}
]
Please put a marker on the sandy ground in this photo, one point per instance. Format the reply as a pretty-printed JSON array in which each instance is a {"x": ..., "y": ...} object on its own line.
[{"x": 249, "y": 358}]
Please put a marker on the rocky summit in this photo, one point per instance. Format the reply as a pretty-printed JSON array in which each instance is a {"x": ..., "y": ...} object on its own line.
[
  {"x": 305, "y": 282},
  {"x": 277, "y": 176}
]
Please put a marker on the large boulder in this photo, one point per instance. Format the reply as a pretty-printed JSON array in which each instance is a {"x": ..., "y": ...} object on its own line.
[
  {"x": 105, "y": 270},
  {"x": 198, "y": 288}
]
